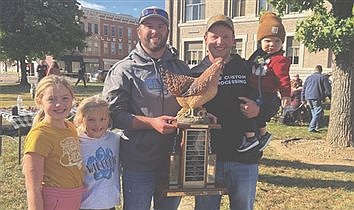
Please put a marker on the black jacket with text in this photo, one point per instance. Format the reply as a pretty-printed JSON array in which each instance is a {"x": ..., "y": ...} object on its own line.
[{"x": 226, "y": 107}]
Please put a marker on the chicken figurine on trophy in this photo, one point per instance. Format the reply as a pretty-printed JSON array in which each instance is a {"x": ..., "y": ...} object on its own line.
[
  {"x": 192, "y": 162},
  {"x": 192, "y": 93}
]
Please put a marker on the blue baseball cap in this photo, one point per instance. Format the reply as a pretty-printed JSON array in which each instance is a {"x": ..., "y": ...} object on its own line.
[{"x": 154, "y": 11}]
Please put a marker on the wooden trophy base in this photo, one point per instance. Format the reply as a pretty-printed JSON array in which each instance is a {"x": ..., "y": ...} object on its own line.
[{"x": 192, "y": 169}]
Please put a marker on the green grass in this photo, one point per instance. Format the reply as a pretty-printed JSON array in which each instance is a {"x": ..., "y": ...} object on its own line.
[
  {"x": 290, "y": 184},
  {"x": 283, "y": 183},
  {"x": 9, "y": 93}
]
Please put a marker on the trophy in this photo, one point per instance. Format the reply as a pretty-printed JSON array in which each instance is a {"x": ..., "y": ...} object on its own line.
[{"x": 192, "y": 162}]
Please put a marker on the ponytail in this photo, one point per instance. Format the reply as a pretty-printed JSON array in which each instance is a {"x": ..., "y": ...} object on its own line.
[{"x": 38, "y": 117}]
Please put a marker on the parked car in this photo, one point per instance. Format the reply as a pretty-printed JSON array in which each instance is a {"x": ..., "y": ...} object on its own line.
[{"x": 100, "y": 75}]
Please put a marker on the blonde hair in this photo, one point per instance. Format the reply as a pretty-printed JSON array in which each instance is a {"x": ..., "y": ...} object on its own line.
[
  {"x": 85, "y": 106},
  {"x": 46, "y": 82}
]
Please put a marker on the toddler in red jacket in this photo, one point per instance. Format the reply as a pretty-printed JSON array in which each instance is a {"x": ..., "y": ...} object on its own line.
[{"x": 270, "y": 75}]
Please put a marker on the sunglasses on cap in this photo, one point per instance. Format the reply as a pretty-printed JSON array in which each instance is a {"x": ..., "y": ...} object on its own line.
[{"x": 154, "y": 11}]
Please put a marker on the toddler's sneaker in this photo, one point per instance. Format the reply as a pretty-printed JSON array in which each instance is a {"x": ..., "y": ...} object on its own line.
[
  {"x": 248, "y": 143},
  {"x": 264, "y": 141}
]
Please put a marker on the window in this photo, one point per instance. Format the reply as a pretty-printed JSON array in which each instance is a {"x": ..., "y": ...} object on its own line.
[
  {"x": 120, "y": 32},
  {"x": 237, "y": 8},
  {"x": 129, "y": 48},
  {"x": 195, "y": 10},
  {"x": 120, "y": 49},
  {"x": 105, "y": 47},
  {"x": 88, "y": 49},
  {"x": 289, "y": 9},
  {"x": 96, "y": 28},
  {"x": 237, "y": 48},
  {"x": 89, "y": 28},
  {"x": 88, "y": 46},
  {"x": 193, "y": 52},
  {"x": 263, "y": 5},
  {"x": 113, "y": 31},
  {"x": 292, "y": 49},
  {"x": 95, "y": 48},
  {"x": 91, "y": 47},
  {"x": 113, "y": 49},
  {"x": 130, "y": 35},
  {"x": 105, "y": 30}
]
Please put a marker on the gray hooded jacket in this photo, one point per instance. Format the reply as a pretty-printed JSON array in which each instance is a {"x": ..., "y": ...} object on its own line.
[{"x": 134, "y": 86}]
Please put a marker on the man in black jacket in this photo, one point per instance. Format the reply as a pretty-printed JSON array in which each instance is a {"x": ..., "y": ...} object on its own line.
[
  {"x": 237, "y": 171},
  {"x": 81, "y": 74},
  {"x": 42, "y": 69}
]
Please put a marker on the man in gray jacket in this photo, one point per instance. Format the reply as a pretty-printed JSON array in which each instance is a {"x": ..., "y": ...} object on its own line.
[
  {"x": 144, "y": 109},
  {"x": 316, "y": 88}
]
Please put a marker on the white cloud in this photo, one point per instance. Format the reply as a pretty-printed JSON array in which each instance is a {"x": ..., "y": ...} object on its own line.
[{"x": 91, "y": 5}]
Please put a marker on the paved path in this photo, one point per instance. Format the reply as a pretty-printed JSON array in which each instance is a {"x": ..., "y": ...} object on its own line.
[
  {"x": 9, "y": 78},
  {"x": 14, "y": 78}
]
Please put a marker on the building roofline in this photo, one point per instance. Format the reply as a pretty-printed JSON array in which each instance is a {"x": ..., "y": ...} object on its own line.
[{"x": 113, "y": 15}]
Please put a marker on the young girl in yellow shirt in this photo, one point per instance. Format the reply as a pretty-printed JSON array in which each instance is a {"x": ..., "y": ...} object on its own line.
[{"x": 52, "y": 160}]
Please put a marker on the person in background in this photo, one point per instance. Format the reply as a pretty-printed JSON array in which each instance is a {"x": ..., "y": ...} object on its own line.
[
  {"x": 54, "y": 69},
  {"x": 52, "y": 163},
  {"x": 100, "y": 154},
  {"x": 42, "y": 70},
  {"x": 296, "y": 111},
  {"x": 237, "y": 171},
  {"x": 297, "y": 80},
  {"x": 270, "y": 75},
  {"x": 81, "y": 75},
  {"x": 144, "y": 109},
  {"x": 28, "y": 69},
  {"x": 315, "y": 90},
  {"x": 296, "y": 89},
  {"x": 329, "y": 75}
]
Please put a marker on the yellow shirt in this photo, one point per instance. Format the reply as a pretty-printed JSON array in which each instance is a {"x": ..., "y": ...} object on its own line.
[{"x": 61, "y": 150}]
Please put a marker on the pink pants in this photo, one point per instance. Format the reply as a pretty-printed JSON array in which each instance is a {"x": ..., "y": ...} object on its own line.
[{"x": 62, "y": 199}]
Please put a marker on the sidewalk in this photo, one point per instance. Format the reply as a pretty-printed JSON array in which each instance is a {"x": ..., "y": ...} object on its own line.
[
  {"x": 9, "y": 78},
  {"x": 14, "y": 78}
]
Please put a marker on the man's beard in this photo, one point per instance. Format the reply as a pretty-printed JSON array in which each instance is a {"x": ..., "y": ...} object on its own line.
[{"x": 156, "y": 47}]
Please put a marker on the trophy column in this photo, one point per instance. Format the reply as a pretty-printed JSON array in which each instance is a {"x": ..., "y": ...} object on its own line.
[{"x": 192, "y": 167}]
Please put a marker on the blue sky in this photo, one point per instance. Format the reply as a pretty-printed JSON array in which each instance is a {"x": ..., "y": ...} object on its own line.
[{"x": 129, "y": 7}]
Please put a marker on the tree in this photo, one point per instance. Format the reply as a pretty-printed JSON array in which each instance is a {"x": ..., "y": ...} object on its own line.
[
  {"x": 35, "y": 28},
  {"x": 331, "y": 26}
]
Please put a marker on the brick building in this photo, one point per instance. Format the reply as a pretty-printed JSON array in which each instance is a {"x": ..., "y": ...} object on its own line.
[{"x": 111, "y": 37}]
